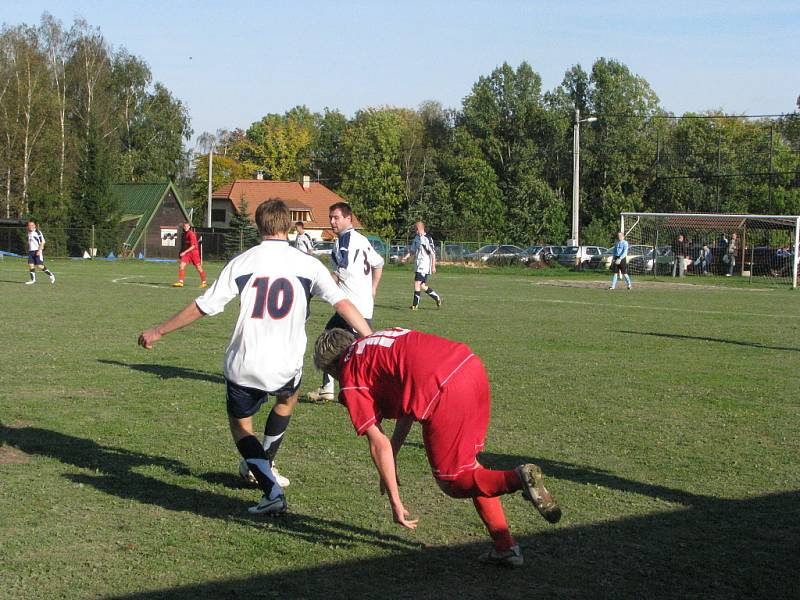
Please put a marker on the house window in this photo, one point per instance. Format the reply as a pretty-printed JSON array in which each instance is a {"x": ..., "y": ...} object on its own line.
[
  {"x": 300, "y": 215},
  {"x": 219, "y": 215}
]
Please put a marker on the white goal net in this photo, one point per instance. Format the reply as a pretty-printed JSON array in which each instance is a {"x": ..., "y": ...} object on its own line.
[{"x": 758, "y": 247}]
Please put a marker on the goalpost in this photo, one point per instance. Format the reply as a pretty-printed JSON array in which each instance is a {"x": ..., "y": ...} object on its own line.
[{"x": 760, "y": 247}]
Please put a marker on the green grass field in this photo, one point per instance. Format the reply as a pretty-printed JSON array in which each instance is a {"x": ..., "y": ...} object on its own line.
[{"x": 667, "y": 421}]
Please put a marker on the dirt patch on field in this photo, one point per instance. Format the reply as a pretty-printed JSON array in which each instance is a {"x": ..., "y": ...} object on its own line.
[
  {"x": 11, "y": 456},
  {"x": 582, "y": 283}
]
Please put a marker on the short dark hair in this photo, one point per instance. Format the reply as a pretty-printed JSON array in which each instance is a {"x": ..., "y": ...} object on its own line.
[
  {"x": 272, "y": 217},
  {"x": 299, "y": 224},
  {"x": 344, "y": 207},
  {"x": 32, "y": 221}
]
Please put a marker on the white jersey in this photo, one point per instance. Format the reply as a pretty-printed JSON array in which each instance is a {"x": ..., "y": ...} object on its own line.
[
  {"x": 274, "y": 283},
  {"x": 353, "y": 259},
  {"x": 423, "y": 246},
  {"x": 35, "y": 240},
  {"x": 303, "y": 243}
]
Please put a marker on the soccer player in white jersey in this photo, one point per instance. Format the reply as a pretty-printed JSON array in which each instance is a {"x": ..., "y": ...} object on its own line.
[
  {"x": 357, "y": 270},
  {"x": 274, "y": 283},
  {"x": 36, "y": 253},
  {"x": 425, "y": 265},
  {"x": 302, "y": 241}
]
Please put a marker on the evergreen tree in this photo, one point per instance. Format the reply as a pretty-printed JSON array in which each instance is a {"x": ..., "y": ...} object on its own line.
[
  {"x": 94, "y": 203},
  {"x": 242, "y": 234}
]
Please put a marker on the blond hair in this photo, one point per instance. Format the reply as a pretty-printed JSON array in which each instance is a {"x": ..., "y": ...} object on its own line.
[
  {"x": 272, "y": 217},
  {"x": 330, "y": 347}
]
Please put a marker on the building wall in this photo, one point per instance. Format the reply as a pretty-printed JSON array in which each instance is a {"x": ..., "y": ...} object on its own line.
[{"x": 168, "y": 215}]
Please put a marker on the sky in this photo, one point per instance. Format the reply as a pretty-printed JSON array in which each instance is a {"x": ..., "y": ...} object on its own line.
[{"x": 233, "y": 62}]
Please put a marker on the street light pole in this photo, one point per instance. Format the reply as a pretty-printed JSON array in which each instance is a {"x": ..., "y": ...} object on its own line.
[
  {"x": 210, "y": 169},
  {"x": 576, "y": 168}
]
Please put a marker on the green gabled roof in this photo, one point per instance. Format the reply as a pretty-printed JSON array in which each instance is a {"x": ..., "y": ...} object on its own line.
[{"x": 140, "y": 201}]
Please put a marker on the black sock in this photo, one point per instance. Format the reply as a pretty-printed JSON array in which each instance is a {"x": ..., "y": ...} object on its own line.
[
  {"x": 432, "y": 294},
  {"x": 273, "y": 433},
  {"x": 32, "y": 273},
  {"x": 253, "y": 452},
  {"x": 47, "y": 272},
  {"x": 416, "y": 299}
]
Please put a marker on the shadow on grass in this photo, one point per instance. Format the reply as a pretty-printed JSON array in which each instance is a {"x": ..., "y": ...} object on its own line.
[
  {"x": 114, "y": 471},
  {"x": 167, "y": 371},
  {"x": 677, "y": 336},
  {"x": 581, "y": 474},
  {"x": 12, "y": 281},
  {"x": 726, "y": 549}
]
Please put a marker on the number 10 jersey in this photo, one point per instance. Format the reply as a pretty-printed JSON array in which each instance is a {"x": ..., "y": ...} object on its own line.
[{"x": 274, "y": 283}]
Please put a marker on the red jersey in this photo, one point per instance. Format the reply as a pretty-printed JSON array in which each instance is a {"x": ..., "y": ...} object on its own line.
[
  {"x": 397, "y": 373},
  {"x": 189, "y": 240}
]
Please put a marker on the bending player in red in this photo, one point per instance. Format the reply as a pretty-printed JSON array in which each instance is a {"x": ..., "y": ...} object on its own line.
[
  {"x": 190, "y": 253},
  {"x": 412, "y": 376}
]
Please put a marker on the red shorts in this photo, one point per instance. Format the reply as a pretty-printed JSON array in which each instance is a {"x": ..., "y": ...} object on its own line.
[
  {"x": 193, "y": 257},
  {"x": 455, "y": 432}
]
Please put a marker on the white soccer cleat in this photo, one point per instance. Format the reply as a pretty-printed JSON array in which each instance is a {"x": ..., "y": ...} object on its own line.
[
  {"x": 246, "y": 474},
  {"x": 510, "y": 558},
  {"x": 280, "y": 479},
  {"x": 31, "y": 282},
  {"x": 320, "y": 395},
  {"x": 52, "y": 278},
  {"x": 266, "y": 506}
]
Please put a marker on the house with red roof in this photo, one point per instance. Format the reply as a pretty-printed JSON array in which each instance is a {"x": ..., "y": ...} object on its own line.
[{"x": 308, "y": 201}]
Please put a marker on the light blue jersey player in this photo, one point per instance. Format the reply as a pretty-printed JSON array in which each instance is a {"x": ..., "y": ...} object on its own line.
[
  {"x": 36, "y": 254},
  {"x": 425, "y": 265},
  {"x": 619, "y": 261}
]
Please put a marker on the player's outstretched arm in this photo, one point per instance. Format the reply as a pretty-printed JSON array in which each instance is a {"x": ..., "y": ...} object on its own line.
[
  {"x": 376, "y": 278},
  {"x": 381, "y": 450},
  {"x": 350, "y": 313},
  {"x": 188, "y": 315}
]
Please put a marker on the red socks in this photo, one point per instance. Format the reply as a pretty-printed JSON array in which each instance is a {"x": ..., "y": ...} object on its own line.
[
  {"x": 491, "y": 513},
  {"x": 181, "y": 273},
  {"x": 485, "y": 483}
]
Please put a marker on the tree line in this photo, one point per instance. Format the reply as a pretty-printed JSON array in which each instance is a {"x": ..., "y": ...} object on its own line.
[
  {"x": 77, "y": 115},
  {"x": 500, "y": 166}
]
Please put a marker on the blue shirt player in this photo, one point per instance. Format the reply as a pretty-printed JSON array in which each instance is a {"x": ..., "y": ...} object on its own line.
[
  {"x": 619, "y": 261},
  {"x": 36, "y": 253}
]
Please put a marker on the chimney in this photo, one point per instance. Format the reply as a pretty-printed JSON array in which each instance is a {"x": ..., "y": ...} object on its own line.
[
  {"x": 259, "y": 175},
  {"x": 306, "y": 182}
]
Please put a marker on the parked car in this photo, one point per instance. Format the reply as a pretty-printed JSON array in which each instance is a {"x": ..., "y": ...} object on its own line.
[
  {"x": 580, "y": 256},
  {"x": 379, "y": 245},
  {"x": 397, "y": 252},
  {"x": 495, "y": 251},
  {"x": 454, "y": 252},
  {"x": 322, "y": 249},
  {"x": 634, "y": 251},
  {"x": 542, "y": 253},
  {"x": 662, "y": 259}
]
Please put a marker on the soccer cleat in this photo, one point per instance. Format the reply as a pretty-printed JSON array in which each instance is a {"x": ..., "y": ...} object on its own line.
[
  {"x": 203, "y": 285},
  {"x": 414, "y": 307},
  {"x": 266, "y": 506},
  {"x": 533, "y": 489},
  {"x": 280, "y": 479},
  {"x": 320, "y": 395},
  {"x": 246, "y": 474},
  {"x": 508, "y": 558},
  {"x": 52, "y": 278},
  {"x": 439, "y": 302},
  {"x": 31, "y": 282},
  {"x": 177, "y": 284},
  {"x": 611, "y": 288},
  {"x": 630, "y": 287}
]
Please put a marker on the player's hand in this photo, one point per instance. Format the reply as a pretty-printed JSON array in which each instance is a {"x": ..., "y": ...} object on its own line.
[
  {"x": 403, "y": 517},
  {"x": 433, "y": 269},
  {"x": 148, "y": 337}
]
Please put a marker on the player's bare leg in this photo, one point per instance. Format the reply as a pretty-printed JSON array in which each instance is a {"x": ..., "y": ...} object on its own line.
[{"x": 253, "y": 452}]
